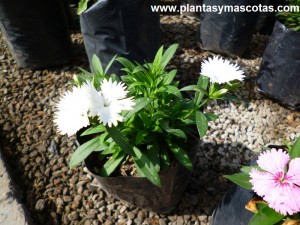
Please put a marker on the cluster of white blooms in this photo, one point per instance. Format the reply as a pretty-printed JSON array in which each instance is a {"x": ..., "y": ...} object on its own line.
[{"x": 76, "y": 106}]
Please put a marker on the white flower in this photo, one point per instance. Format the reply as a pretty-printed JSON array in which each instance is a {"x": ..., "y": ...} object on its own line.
[
  {"x": 72, "y": 109},
  {"x": 221, "y": 70},
  {"x": 109, "y": 102}
]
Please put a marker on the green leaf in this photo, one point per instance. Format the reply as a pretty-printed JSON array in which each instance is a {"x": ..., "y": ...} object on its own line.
[
  {"x": 240, "y": 179},
  {"x": 119, "y": 138},
  {"x": 202, "y": 84},
  {"x": 139, "y": 104},
  {"x": 157, "y": 60},
  {"x": 211, "y": 116},
  {"x": 295, "y": 150},
  {"x": 169, "y": 77},
  {"x": 164, "y": 157},
  {"x": 201, "y": 123},
  {"x": 109, "y": 64},
  {"x": 82, "y": 6},
  {"x": 140, "y": 137},
  {"x": 180, "y": 155},
  {"x": 87, "y": 73},
  {"x": 167, "y": 56},
  {"x": 85, "y": 150},
  {"x": 94, "y": 130},
  {"x": 143, "y": 163},
  {"x": 97, "y": 65},
  {"x": 79, "y": 79},
  {"x": 125, "y": 62},
  {"x": 193, "y": 87},
  {"x": 170, "y": 89},
  {"x": 266, "y": 216},
  {"x": 247, "y": 169},
  {"x": 111, "y": 165},
  {"x": 233, "y": 98},
  {"x": 153, "y": 154},
  {"x": 177, "y": 132}
]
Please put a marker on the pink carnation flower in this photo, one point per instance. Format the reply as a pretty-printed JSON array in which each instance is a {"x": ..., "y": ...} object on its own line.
[{"x": 279, "y": 186}]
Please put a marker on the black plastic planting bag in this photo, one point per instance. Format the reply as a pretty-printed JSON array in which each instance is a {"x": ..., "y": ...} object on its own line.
[
  {"x": 126, "y": 28},
  {"x": 36, "y": 32},
  {"x": 266, "y": 20},
  {"x": 279, "y": 75},
  {"x": 232, "y": 208},
  {"x": 227, "y": 32}
]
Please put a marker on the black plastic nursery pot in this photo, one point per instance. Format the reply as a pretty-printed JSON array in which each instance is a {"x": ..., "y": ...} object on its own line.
[
  {"x": 139, "y": 191},
  {"x": 118, "y": 27},
  {"x": 227, "y": 33},
  {"x": 279, "y": 77},
  {"x": 36, "y": 32}
]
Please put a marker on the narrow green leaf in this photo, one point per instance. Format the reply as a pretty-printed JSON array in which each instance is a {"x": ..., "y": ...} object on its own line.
[
  {"x": 94, "y": 130},
  {"x": 164, "y": 157},
  {"x": 201, "y": 123},
  {"x": 169, "y": 77},
  {"x": 156, "y": 65},
  {"x": 79, "y": 79},
  {"x": 167, "y": 56},
  {"x": 85, "y": 150},
  {"x": 119, "y": 138},
  {"x": 89, "y": 74},
  {"x": 153, "y": 155},
  {"x": 266, "y": 216},
  {"x": 109, "y": 64},
  {"x": 170, "y": 89},
  {"x": 211, "y": 116},
  {"x": 125, "y": 62},
  {"x": 82, "y": 6},
  {"x": 143, "y": 163},
  {"x": 193, "y": 87},
  {"x": 233, "y": 98},
  {"x": 177, "y": 132},
  {"x": 240, "y": 179},
  {"x": 295, "y": 150},
  {"x": 202, "y": 84},
  {"x": 182, "y": 157},
  {"x": 247, "y": 169},
  {"x": 139, "y": 104},
  {"x": 97, "y": 65},
  {"x": 110, "y": 166}
]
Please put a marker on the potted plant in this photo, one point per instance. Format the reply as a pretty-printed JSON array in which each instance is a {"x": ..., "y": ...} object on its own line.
[
  {"x": 117, "y": 27},
  {"x": 141, "y": 131},
  {"x": 278, "y": 75},
  {"x": 268, "y": 191}
]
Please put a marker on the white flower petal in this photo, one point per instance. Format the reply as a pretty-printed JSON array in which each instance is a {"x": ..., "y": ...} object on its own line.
[{"x": 221, "y": 70}]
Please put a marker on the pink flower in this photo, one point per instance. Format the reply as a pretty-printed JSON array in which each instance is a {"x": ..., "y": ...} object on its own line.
[{"x": 279, "y": 186}]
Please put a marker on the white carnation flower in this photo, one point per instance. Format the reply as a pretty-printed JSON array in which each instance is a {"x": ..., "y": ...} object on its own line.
[
  {"x": 72, "y": 110},
  {"x": 221, "y": 70},
  {"x": 109, "y": 102}
]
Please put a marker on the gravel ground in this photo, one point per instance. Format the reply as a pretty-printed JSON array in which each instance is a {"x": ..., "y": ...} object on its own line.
[{"x": 55, "y": 194}]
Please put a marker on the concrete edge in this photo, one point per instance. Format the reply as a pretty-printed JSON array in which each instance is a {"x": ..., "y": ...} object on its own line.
[{"x": 12, "y": 211}]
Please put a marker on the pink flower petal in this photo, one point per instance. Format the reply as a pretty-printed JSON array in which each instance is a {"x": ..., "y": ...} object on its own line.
[
  {"x": 284, "y": 198},
  {"x": 262, "y": 182},
  {"x": 273, "y": 160},
  {"x": 293, "y": 174}
]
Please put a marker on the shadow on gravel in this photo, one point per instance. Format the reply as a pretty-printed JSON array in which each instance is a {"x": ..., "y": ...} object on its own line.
[{"x": 207, "y": 184}]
